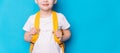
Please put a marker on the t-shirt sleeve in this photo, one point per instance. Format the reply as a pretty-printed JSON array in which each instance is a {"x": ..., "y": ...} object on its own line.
[
  {"x": 29, "y": 24},
  {"x": 64, "y": 23}
]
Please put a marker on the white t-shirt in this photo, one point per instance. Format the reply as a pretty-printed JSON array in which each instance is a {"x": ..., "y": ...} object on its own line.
[{"x": 46, "y": 43}]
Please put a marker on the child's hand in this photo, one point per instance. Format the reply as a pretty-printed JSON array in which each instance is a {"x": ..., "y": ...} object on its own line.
[
  {"x": 34, "y": 31},
  {"x": 59, "y": 34},
  {"x": 28, "y": 35}
]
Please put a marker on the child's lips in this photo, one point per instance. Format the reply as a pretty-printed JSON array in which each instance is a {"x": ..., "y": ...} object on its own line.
[{"x": 45, "y": 4}]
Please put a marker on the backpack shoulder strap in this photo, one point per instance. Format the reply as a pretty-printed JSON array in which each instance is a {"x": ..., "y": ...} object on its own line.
[
  {"x": 35, "y": 36},
  {"x": 55, "y": 27}
]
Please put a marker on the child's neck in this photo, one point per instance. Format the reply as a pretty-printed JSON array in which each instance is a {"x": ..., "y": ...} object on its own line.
[{"x": 45, "y": 14}]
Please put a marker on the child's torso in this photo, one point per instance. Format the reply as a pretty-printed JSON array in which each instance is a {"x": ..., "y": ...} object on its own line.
[{"x": 45, "y": 43}]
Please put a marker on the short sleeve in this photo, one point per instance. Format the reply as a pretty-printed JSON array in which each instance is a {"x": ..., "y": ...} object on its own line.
[
  {"x": 64, "y": 23},
  {"x": 29, "y": 24}
]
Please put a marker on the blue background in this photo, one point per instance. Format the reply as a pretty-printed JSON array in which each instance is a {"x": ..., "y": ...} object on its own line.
[{"x": 95, "y": 25}]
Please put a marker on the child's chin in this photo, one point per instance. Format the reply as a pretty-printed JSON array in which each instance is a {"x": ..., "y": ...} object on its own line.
[{"x": 45, "y": 9}]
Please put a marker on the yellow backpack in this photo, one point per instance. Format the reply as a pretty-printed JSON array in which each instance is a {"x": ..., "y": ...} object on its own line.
[{"x": 55, "y": 27}]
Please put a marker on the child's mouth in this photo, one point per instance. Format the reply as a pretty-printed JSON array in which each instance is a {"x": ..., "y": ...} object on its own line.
[{"x": 45, "y": 4}]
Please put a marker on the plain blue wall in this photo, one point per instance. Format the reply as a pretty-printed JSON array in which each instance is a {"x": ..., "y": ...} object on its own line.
[{"x": 95, "y": 25}]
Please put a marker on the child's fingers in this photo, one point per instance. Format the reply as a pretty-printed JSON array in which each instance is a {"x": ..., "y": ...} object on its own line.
[
  {"x": 38, "y": 30},
  {"x": 33, "y": 31},
  {"x": 59, "y": 33}
]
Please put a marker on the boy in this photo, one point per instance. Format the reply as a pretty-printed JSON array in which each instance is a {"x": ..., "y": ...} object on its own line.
[{"x": 46, "y": 30}]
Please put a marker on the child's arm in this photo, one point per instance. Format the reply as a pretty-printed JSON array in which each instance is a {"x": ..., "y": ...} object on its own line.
[{"x": 66, "y": 34}]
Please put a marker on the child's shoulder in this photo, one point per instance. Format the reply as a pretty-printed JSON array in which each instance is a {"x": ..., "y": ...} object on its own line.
[
  {"x": 32, "y": 17},
  {"x": 60, "y": 16}
]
